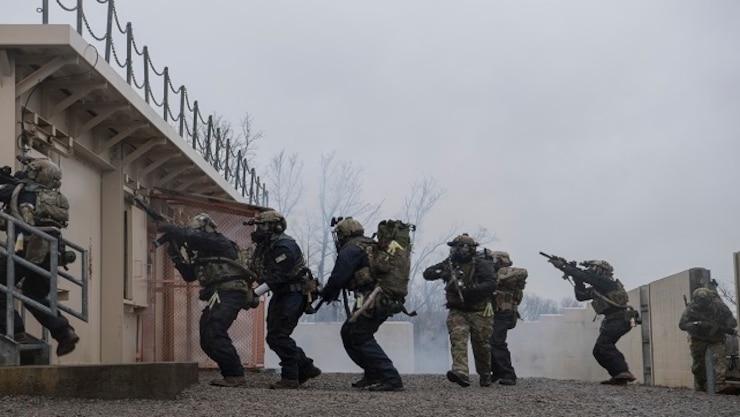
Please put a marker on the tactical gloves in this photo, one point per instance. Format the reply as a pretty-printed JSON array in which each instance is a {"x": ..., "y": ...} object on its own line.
[{"x": 557, "y": 262}]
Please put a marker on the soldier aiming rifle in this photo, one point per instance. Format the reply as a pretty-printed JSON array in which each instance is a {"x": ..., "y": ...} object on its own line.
[{"x": 608, "y": 298}]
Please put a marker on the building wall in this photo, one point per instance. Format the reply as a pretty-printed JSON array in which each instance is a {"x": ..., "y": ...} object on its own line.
[{"x": 97, "y": 175}]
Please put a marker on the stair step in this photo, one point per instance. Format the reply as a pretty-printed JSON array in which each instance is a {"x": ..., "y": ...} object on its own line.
[{"x": 31, "y": 346}]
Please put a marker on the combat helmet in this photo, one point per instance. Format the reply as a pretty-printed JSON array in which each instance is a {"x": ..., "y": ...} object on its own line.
[
  {"x": 270, "y": 224},
  {"x": 703, "y": 296},
  {"x": 45, "y": 172},
  {"x": 274, "y": 219},
  {"x": 599, "y": 267},
  {"x": 204, "y": 223},
  {"x": 462, "y": 248},
  {"x": 349, "y": 227}
]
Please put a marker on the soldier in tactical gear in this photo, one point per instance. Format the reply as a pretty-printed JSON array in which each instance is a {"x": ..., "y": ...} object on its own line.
[
  {"x": 352, "y": 271},
  {"x": 509, "y": 285},
  {"x": 708, "y": 321},
  {"x": 212, "y": 261},
  {"x": 278, "y": 262},
  {"x": 470, "y": 282},
  {"x": 36, "y": 200},
  {"x": 610, "y": 299}
]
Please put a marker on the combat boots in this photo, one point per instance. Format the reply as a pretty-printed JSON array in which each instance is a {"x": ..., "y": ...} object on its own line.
[
  {"x": 68, "y": 342},
  {"x": 386, "y": 386},
  {"x": 364, "y": 383},
  {"x": 485, "y": 380},
  {"x": 230, "y": 381},
  {"x": 285, "y": 384},
  {"x": 458, "y": 378},
  {"x": 622, "y": 378},
  {"x": 311, "y": 373}
]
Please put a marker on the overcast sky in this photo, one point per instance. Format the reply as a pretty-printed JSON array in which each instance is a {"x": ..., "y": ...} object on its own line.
[{"x": 592, "y": 130}]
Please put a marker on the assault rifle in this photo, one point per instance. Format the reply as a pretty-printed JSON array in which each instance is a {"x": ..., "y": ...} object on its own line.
[
  {"x": 6, "y": 172},
  {"x": 174, "y": 246},
  {"x": 559, "y": 262},
  {"x": 455, "y": 281}
]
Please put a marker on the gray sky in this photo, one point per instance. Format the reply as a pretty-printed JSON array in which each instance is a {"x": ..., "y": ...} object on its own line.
[{"x": 605, "y": 130}]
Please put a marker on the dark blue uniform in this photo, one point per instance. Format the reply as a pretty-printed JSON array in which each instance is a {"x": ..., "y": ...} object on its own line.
[
  {"x": 216, "y": 318},
  {"x": 359, "y": 336},
  {"x": 281, "y": 268},
  {"x": 613, "y": 327},
  {"x": 35, "y": 286}
]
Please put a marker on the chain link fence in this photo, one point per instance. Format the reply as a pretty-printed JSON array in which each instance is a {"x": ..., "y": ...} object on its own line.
[{"x": 171, "y": 323}]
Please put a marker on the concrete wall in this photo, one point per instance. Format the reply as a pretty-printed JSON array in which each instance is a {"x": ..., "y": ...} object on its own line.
[
  {"x": 323, "y": 343},
  {"x": 559, "y": 346}
]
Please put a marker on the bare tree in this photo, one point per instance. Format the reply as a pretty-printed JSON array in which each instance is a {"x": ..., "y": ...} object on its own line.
[
  {"x": 727, "y": 291},
  {"x": 285, "y": 181},
  {"x": 340, "y": 194},
  {"x": 533, "y": 306},
  {"x": 226, "y": 150},
  {"x": 247, "y": 141}
]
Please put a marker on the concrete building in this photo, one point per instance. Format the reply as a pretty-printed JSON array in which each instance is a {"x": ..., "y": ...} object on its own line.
[{"x": 59, "y": 98}]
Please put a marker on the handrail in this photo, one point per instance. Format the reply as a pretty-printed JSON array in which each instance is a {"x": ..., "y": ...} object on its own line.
[{"x": 53, "y": 273}]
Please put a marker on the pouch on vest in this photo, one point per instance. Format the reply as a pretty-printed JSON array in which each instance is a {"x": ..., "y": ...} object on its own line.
[
  {"x": 52, "y": 208},
  {"x": 36, "y": 249}
]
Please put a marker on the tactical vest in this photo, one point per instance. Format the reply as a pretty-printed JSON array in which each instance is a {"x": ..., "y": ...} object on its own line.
[
  {"x": 617, "y": 296},
  {"x": 713, "y": 315},
  {"x": 363, "y": 276},
  {"x": 221, "y": 273},
  {"x": 51, "y": 210},
  {"x": 257, "y": 261},
  {"x": 468, "y": 278}
]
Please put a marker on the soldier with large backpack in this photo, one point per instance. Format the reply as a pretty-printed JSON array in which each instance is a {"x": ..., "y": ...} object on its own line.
[
  {"x": 509, "y": 293},
  {"x": 377, "y": 272}
]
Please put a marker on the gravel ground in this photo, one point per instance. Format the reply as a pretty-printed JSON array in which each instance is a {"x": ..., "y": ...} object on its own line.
[{"x": 425, "y": 395}]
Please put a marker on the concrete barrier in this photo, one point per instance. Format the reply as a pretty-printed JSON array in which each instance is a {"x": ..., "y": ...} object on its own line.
[{"x": 159, "y": 380}]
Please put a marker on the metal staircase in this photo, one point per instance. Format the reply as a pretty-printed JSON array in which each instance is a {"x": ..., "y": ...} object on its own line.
[{"x": 26, "y": 349}]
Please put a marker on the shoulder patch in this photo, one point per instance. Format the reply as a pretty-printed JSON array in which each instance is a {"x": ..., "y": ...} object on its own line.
[{"x": 281, "y": 258}]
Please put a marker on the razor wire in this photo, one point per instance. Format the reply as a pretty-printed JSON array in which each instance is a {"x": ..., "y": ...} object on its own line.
[{"x": 217, "y": 151}]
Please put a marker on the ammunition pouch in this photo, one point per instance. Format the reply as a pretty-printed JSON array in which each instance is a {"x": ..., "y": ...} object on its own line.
[
  {"x": 36, "y": 249},
  {"x": 206, "y": 293},
  {"x": 505, "y": 300},
  {"x": 361, "y": 278},
  {"x": 385, "y": 306}
]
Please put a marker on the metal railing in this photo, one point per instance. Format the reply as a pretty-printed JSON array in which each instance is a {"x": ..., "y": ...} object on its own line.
[
  {"x": 203, "y": 134},
  {"x": 53, "y": 273}
]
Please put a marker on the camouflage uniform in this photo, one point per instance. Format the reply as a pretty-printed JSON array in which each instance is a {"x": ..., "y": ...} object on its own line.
[
  {"x": 707, "y": 320},
  {"x": 470, "y": 284}
]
